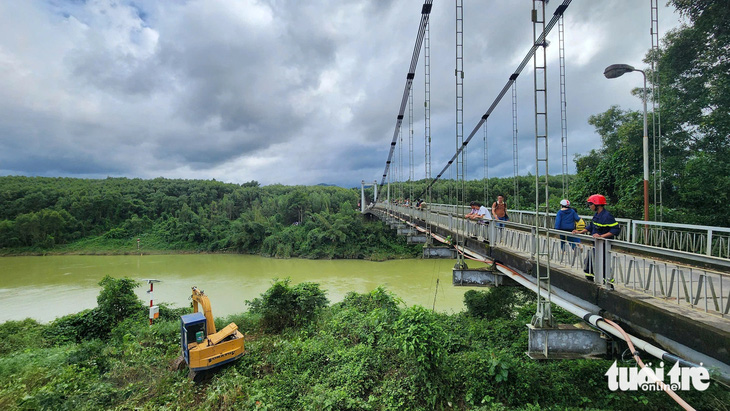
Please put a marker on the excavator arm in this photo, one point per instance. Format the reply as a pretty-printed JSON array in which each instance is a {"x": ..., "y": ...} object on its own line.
[{"x": 199, "y": 298}]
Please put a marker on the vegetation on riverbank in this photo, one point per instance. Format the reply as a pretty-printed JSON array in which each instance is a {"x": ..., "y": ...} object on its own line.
[
  {"x": 62, "y": 215},
  {"x": 367, "y": 352}
]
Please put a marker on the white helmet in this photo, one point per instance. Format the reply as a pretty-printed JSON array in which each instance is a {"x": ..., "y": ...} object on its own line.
[{"x": 565, "y": 203}]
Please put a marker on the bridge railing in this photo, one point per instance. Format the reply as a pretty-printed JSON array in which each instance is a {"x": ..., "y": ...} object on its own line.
[
  {"x": 696, "y": 280},
  {"x": 696, "y": 239}
]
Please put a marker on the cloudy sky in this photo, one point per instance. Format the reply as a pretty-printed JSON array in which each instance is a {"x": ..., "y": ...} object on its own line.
[{"x": 289, "y": 91}]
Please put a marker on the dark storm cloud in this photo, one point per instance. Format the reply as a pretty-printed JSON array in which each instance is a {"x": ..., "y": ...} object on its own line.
[{"x": 296, "y": 92}]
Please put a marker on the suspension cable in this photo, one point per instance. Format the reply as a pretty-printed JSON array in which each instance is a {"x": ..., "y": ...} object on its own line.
[
  {"x": 486, "y": 167},
  {"x": 425, "y": 13},
  {"x": 540, "y": 40},
  {"x": 515, "y": 152}
]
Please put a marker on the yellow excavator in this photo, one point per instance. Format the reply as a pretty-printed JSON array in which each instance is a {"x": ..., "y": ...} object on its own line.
[{"x": 202, "y": 347}]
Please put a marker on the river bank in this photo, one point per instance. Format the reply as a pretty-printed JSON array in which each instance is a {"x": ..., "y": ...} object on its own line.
[
  {"x": 368, "y": 351},
  {"x": 101, "y": 246}
]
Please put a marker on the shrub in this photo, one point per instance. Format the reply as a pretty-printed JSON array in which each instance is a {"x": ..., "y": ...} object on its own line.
[
  {"x": 116, "y": 233},
  {"x": 497, "y": 302},
  {"x": 283, "y": 306},
  {"x": 117, "y": 300},
  {"x": 20, "y": 335},
  {"x": 379, "y": 298},
  {"x": 422, "y": 339}
]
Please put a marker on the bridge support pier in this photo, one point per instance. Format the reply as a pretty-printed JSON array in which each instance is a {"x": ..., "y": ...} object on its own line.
[
  {"x": 564, "y": 342},
  {"x": 439, "y": 252},
  {"x": 480, "y": 276},
  {"x": 417, "y": 239},
  {"x": 406, "y": 230}
]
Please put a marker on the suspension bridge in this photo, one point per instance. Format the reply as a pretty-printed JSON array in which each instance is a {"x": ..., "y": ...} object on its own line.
[{"x": 665, "y": 288}]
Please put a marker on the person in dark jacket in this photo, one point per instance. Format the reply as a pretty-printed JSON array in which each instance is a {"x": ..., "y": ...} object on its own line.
[
  {"x": 603, "y": 225},
  {"x": 565, "y": 221}
]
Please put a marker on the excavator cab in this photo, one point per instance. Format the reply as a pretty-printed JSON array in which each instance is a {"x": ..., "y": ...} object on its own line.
[
  {"x": 192, "y": 329},
  {"x": 203, "y": 347}
]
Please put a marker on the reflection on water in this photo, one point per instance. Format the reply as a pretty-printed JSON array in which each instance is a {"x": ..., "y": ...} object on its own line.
[{"x": 44, "y": 288}]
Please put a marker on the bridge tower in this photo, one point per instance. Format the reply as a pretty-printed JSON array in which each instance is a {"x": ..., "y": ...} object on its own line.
[
  {"x": 461, "y": 158},
  {"x": 411, "y": 175},
  {"x": 363, "y": 186},
  {"x": 543, "y": 318},
  {"x": 656, "y": 112},
  {"x": 427, "y": 117},
  {"x": 563, "y": 104}
]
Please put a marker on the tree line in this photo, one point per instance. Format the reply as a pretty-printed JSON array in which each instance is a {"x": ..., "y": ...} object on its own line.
[{"x": 285, "y": 221}]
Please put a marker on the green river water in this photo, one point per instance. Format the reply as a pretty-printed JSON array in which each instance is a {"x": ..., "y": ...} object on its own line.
[{"x": 44, "y": 288}]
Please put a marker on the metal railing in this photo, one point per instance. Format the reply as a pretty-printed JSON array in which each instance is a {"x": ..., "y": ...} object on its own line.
[
  {"x": 696, "y": 239},
  {"x": 659, "y": 272}
]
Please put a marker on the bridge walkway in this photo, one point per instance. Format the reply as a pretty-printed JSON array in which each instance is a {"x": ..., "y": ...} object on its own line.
[{"x": 658, "y": 294}]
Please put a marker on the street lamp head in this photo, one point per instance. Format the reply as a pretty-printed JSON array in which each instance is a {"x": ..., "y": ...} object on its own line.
[{"x": 617, "y": 70}]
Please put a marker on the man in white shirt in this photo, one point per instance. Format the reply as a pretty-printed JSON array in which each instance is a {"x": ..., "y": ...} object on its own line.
[
  {"x": 483, "y": 213},
  {"x": 479, "y": 212}
]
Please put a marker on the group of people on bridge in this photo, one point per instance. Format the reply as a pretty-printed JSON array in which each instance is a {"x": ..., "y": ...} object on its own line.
[
  {"x": 481, "y": 213},
  {"x": 603, "y": 224}
]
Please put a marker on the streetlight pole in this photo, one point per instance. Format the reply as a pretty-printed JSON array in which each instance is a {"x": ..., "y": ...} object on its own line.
[{"x": 617, "y": 70}]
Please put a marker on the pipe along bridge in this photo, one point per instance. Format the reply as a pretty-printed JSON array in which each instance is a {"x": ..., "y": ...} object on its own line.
[{"x": 674, "y": 304}]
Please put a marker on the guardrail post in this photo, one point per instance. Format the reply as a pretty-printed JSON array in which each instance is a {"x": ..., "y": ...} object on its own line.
[
  {"x": 608, "y": 273},
  {"x": 709, "y": 242},
  {"x": 533, "y": 230},
  {"x": 633, "y": 232},
  {"x": 599, "y": 261}
]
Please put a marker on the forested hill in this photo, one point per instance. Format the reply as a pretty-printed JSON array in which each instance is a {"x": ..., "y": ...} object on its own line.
[{"x": 39, "y": 214}]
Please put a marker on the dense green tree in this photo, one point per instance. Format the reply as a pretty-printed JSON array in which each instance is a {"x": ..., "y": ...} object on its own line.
[
  {"x": 695, "y": 77},
  {"x": 694, "y": 92},
  {"x": 615, "y": 170}
]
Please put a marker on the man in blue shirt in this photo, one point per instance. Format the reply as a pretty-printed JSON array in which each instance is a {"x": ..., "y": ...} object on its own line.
[{"x": 565, "y": 221}]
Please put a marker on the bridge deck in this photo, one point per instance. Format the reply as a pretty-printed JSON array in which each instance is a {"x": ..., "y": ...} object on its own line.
[{"x": 663, "y": 301}]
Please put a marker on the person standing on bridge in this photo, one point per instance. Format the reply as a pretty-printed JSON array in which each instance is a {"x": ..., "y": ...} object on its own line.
[
  {"x": 603, "y": 225},
  {"x": 565, "y": 221},
  {"x": 499, "y": 210}
]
